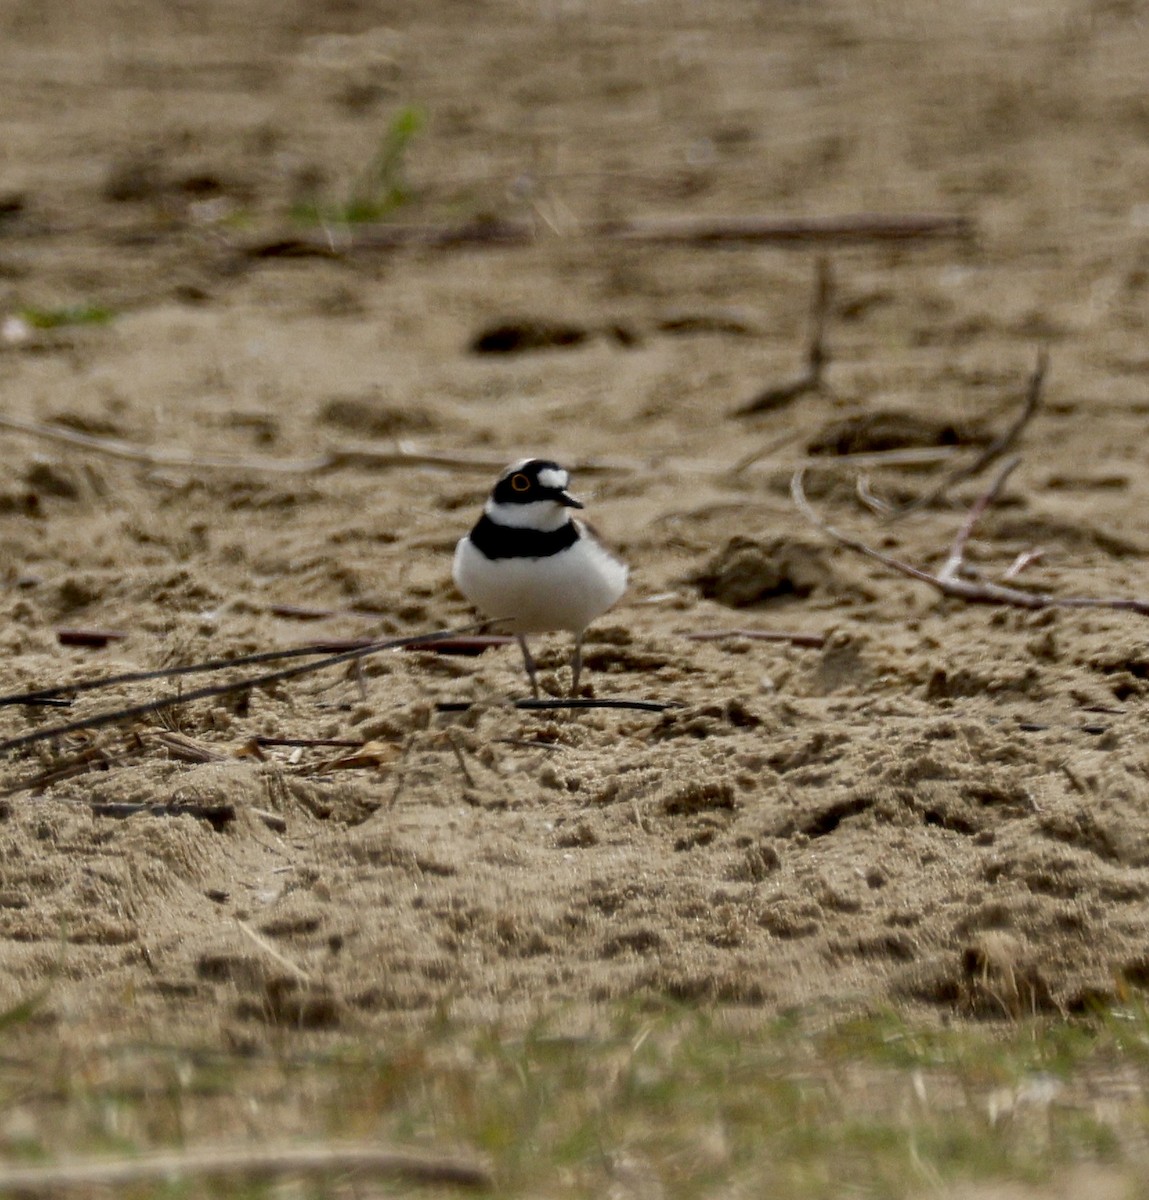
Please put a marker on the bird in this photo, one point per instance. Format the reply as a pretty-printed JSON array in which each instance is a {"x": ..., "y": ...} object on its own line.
[{"x": 534, "y": 568}]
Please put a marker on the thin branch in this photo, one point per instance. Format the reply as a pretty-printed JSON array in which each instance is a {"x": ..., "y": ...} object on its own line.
[
  {"x": 948, "y": 581},
  {"x": 457, "y": 706},
  {"x": 697, "y": 232},
  {"x": 952, "y": 567},
  {"x": 870, "y": 498},
  {"x": 1004, "y": 442},
  {"x": 223, "y": 689},
  {"x": 131, "y": 452},
  {"x": 365, "y": 455},
  {"x": 266, "y": 1164},
  {"x": 309, "y": 743},
  {"x": 812, "y": 640},
  {"x": 763, "y": 451},
  {"x": 1024, "y": 559},
  {"x": 852, "y": 229},
  {"x": 817, "y": 356},
  {"x": 798, "y": 495},
  {"x": 904, "y": 456},
  {"x": 373, "y": 457},
  {"x": 46, "y": 695},
  {"x": 469, "y": 646}
]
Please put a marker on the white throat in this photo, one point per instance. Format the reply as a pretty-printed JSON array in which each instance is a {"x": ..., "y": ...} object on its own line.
[{"x": 543, "y": 515}]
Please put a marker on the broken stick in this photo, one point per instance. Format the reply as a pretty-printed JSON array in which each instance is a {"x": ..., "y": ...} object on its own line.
[{"x": 949, "y": 581}]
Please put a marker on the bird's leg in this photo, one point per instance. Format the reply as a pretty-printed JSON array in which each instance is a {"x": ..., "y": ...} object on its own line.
[
  {"x": 530, "y": 665},
  {"x": 576, "y": 664}
]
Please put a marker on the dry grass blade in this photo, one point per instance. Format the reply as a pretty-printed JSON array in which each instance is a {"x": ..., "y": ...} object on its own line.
[{"x": 257, "y": 1164}]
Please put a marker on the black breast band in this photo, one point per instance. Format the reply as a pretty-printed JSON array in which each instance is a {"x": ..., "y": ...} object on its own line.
[{"x": 510, "y": 541}]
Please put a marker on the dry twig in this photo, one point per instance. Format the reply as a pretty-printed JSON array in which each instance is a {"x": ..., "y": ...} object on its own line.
[
  {"x": 371, "y": 456},
  {"x": 131, "y": 452},
  {"x": 457, "y": 706},
  {"x": 364, "y": 455},
  {"x": 817, "y": 357},
  {"x": 1002, "y": 444},
  {"x": 950, "y": 581},
  {"x": 698, "y": 232},
  {"x": 813, "y": 640},
  {"x": 239, "y": 685},
  {"x": 49, "y": 695}
]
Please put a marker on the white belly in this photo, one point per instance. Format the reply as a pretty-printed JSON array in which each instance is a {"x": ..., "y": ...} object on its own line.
[{"x": 562, "y": 591}]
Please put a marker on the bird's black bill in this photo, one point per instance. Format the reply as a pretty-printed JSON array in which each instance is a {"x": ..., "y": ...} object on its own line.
[{"x": 567, "y": 499}]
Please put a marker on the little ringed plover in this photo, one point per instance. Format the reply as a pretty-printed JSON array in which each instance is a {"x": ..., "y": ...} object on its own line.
[{"x": 532, "y": 566}]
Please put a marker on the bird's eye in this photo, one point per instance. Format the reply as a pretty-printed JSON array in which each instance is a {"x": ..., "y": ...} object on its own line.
[{"x": 520, "y": 483}]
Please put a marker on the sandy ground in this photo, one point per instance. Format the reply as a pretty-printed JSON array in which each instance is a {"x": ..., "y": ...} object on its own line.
[{"x": 944, "y": 807}]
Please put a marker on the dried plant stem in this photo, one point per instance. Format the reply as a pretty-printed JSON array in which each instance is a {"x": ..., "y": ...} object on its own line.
[{"x": 250, "y": 1163}]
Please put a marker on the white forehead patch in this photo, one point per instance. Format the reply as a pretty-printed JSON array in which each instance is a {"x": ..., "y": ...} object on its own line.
[{"x": 554, "y": 478}]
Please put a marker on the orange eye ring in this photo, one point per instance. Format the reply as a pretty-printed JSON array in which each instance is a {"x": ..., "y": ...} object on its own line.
[{"x": 520, "y": 483}]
